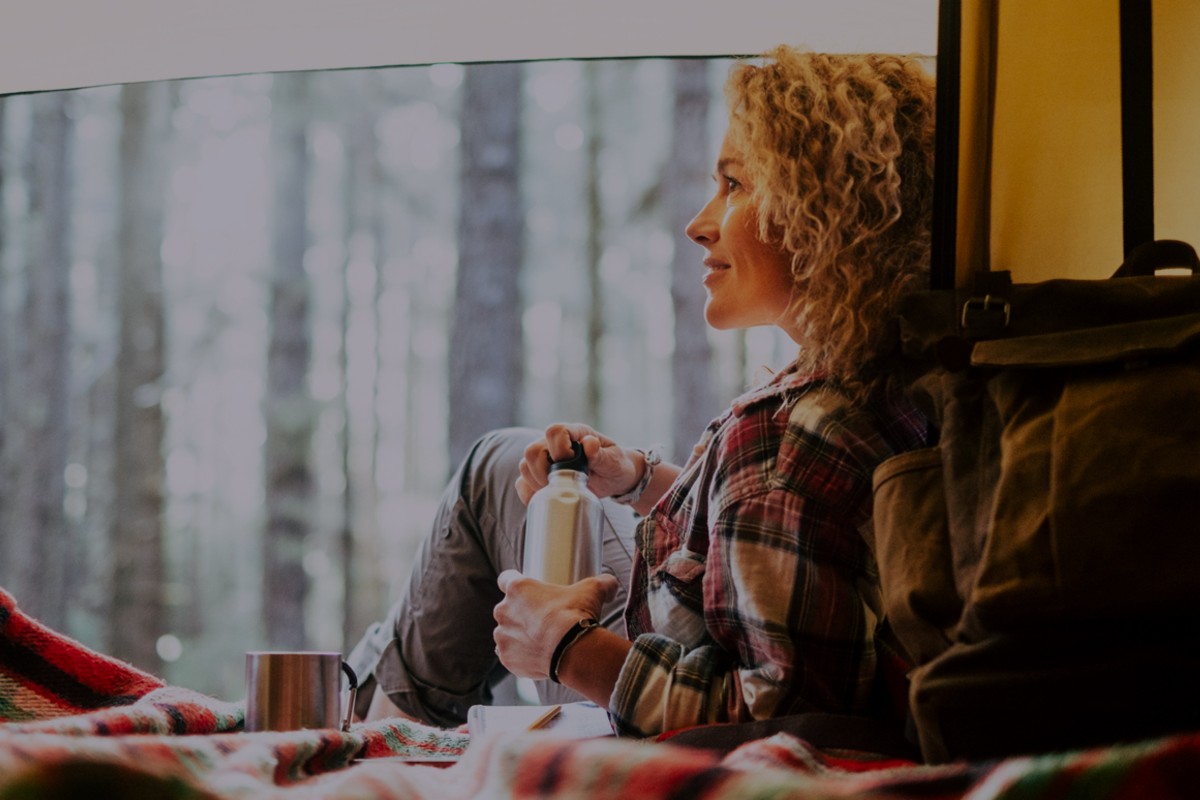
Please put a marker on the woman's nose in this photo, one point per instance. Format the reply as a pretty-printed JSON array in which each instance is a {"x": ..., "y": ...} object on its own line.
[{"x": 703, "y": 229}]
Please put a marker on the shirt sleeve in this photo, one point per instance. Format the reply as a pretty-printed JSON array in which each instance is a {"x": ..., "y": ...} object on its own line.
[{"x": 786, "y": 609}]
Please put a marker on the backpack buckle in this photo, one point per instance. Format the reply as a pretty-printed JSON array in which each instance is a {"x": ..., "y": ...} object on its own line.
[{"x": 985, "y": 316}]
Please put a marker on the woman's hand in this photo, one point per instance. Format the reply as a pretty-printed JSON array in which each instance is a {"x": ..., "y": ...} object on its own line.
[
  {"x": 612, "y": 469},
  {"x": 533, "y": 617}
]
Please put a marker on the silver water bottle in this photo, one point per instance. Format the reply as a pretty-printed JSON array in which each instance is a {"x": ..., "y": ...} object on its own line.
[{"x": 563, "y": 540}]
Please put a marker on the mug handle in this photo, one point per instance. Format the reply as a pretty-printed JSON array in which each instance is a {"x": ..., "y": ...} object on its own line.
[{"x": 346, "y": 668}]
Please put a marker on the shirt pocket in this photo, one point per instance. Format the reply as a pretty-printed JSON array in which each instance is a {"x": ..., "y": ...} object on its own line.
[
  {"x": 683, "y": 568},
  {"x": 676, "y": 598}
]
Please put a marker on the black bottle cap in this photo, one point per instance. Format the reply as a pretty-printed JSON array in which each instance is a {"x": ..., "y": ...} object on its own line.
[{"x": 577, "y": 462}]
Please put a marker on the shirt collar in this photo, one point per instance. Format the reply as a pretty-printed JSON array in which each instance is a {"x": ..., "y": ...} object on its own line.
[{"x": 788, "y": 381}]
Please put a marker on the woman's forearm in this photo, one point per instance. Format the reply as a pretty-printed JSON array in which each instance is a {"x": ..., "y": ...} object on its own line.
[
  {"x": 664, "y": 475},
  {"x": 592, "y": 664}
]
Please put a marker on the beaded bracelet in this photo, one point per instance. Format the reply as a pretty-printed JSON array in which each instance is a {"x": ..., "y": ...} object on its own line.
[
  {"x": 652, "y": 459},
  {"x": 569, "y": 638}
]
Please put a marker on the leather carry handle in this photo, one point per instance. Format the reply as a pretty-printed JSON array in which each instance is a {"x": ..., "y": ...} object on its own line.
[
  {"x": 1149, "y": 257},
  {"x": 945, "y": 144},
  {"x": 1137, "y": 124}
]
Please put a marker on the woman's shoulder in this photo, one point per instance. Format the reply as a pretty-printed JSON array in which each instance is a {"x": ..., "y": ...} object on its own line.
[
  {"x": 807, "y": 404},
  {"x": 774, "y": 388},
  {"x": 884, "y": 422},
  {"x": 808, "y": 432},
  {"x": 761, "y": 427}
]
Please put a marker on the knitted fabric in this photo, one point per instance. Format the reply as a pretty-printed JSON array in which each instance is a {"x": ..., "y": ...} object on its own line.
[{"x": 76, "y": 723}]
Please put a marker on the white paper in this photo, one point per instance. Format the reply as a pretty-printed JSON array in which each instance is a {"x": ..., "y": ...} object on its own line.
[{"x": 582, "y": 720}]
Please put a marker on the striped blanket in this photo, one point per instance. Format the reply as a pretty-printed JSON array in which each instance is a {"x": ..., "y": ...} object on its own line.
[{"x": 74, "y": 722}]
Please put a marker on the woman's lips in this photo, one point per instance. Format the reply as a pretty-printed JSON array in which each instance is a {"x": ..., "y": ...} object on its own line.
[{"x": 715, "y": 268}]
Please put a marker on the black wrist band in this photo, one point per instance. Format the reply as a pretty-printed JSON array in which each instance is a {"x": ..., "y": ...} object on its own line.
[{"x": 569, "y": 638}]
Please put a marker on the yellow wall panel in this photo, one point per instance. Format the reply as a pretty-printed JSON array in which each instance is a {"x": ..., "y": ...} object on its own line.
[
  {"x": 1177, "y": 120},
  {"x": 1056, "y": 168}
]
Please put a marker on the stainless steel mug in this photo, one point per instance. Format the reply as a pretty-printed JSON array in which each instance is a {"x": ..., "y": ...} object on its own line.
[{"x": 287, "y": 691}]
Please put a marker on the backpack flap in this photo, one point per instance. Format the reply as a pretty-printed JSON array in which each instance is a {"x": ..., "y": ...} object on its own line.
[
  {"x": 1097, "y": 488},
  {"x": 1127, "y": 345}
]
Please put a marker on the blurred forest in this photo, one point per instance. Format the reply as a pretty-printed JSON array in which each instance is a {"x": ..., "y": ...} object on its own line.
[{"x": 248, "y": 325}]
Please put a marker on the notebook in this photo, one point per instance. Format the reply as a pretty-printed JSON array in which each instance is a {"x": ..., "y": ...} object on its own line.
[{"x": 581, "y": 720}]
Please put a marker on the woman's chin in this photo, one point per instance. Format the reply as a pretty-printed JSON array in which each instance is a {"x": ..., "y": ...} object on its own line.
[
  {"x": 725, "y": 319},
  {"x": 715, "y": 319}
]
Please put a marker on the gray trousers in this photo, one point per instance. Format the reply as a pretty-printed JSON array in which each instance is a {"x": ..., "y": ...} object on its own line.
[{"x": 434, "y": 655}]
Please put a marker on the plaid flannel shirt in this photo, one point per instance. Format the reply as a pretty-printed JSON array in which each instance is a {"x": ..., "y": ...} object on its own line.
[{"x": 753, "y": 591}]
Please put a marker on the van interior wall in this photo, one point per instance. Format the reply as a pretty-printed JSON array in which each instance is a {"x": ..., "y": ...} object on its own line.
[
  {"x": 1056, "y": 167},
  {"x": 1177, "y": 119}
]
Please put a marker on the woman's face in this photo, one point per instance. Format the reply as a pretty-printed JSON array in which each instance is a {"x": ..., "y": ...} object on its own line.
[{"x": 749, "y": 281}]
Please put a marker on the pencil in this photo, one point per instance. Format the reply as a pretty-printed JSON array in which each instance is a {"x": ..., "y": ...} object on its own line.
[{"x": 545, "y": 719}]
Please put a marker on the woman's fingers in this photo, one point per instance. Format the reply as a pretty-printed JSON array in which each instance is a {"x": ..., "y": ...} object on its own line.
[
  {"x": 608, "y": 585},
  {"x": 559, "y": 437},
  {"x": 555, "y": 445},
  {"x": 536, "y": 458},
  {"x": 525, "y": 490},
  {"x": 526, "y": 626},
  {"x": 610, "y": 467},
  {"x": 505, "y": 579},
  {"x": 529, "y": 481},
  {"x": 533, "y": 616}
]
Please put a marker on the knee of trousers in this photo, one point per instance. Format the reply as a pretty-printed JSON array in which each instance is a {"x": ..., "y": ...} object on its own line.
[
  {"x": 495, "y": 457},
  {"x": 486, "y": 479}
]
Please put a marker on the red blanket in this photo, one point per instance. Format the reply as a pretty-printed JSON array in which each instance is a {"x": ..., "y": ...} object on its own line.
[{"x": 76, "y": 723}]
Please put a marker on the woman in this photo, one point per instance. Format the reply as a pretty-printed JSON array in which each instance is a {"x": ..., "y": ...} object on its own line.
[{"x": 751, "y": 593}]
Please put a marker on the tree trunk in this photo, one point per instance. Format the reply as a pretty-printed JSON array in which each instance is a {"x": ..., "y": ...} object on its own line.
[
  {"x": 364, "y": 239},
  {"x": 346, "y": 543},
  {"x": 288, "y": 406},
  {"x": 595, "y": 235},
  {"x": 97, "y": 406},
  {"x": 3, "y": 218},
  {"x": 686, "y": 193},
  {"x": 139, "y": 614},
  {"x": 6, "y": 339},
  {"x": 486, "y": 352},
  {"x": 372, "y": 585},
  {"x": 36, "y": 445}
]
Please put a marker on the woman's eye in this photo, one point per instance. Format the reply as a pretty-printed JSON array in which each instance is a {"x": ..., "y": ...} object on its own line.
[{"x": 731, "y": 184}]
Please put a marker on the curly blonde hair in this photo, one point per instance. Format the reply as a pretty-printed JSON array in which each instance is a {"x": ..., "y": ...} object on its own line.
[{"x": 839, "y": 157}]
